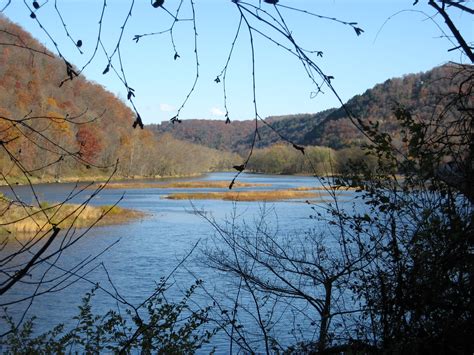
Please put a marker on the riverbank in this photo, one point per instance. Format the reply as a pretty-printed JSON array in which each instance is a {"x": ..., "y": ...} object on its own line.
[{"x": 90, "y": 179}]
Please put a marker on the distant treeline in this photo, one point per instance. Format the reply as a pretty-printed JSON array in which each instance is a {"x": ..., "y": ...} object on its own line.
[
  {"x": 285, "y": 159},
  {"x": 167, "y": 156}
]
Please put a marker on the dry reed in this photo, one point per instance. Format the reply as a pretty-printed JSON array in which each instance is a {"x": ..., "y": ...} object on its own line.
[
  {"x": 275, "y": 195},
  {"x": 28, "y": 219}
]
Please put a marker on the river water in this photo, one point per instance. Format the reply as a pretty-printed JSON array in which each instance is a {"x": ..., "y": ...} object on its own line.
[{"x": 143, "y": 251}]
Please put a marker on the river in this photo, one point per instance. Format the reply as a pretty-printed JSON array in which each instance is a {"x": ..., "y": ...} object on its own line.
[{"x": 145, "y": 250}]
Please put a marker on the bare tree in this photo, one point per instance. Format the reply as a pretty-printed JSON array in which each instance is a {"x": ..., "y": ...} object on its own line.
[
  {"x": 411, "y": 242},
  {"x": 305, "y": 274}
]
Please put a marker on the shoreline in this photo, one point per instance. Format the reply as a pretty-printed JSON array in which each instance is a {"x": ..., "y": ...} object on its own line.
[
  {"x": 157, "y": 178},
  {"x": 96, "y": 179}
]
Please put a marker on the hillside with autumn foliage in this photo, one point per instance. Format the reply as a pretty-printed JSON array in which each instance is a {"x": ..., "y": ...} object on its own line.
[
  {"x": 420, "y": 93},
  {"x": 423, "y": 94},
  {"x": 59, "y": 127},
  {"x": 45, "y": 119},
  {"x": 237, "y": 136}
]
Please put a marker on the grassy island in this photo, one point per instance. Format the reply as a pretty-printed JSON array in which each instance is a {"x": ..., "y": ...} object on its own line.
[
  {"x": 274, "y": 195},
  {"x": 16, "y": 218}
]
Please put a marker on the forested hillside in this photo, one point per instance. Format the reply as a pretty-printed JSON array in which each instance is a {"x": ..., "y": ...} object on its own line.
[
  {"x": 237, "y": 136},
  {"x": 79, "y": 123},
  {"x": 292, "y": 127},
  {"x": 418, "y": 92},
  {"x": 210, "y": 133}
]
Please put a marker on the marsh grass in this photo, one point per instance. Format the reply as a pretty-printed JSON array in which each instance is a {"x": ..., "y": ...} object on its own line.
[
  {"x": 28, "y": 219},
  {"x": 274, "y": 195},
  {"x": 210, "y": 185},
  {"x": 324, "y": 188},
  {"x": 180, "y": 185}
]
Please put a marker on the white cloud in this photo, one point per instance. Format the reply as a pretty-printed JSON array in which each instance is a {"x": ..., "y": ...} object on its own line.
[
  {"x": 215, "y": 111},
  {"x": 166, "y": 107}
]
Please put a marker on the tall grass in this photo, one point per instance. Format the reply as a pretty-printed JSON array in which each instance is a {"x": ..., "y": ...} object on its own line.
[
  {"x": 28, "y": 219},
  {"x": 275, "y": 195}
]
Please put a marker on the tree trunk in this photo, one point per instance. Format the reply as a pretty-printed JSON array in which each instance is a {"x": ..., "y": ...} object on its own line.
[{"x": 325, "y": 315}]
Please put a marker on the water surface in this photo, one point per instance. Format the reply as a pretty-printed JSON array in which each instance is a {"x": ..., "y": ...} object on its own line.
[{"x": 150, "y": 248}]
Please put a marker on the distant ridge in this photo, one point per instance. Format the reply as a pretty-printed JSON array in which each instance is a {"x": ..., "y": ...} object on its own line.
[{"x": 418, "y": 92}]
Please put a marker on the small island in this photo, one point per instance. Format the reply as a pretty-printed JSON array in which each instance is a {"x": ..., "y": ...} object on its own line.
[
  {"x": 22, "y": 218},
  {"x": 297, "y": 193}
]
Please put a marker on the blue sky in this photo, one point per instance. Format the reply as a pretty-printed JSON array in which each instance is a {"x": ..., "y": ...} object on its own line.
[{"x": 398, "y": 39}]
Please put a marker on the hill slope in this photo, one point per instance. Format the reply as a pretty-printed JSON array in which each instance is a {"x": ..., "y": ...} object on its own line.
[
  {"x": 54, "y": 130},
  {"x": 30, "y": 84},
  {"x": 418, "y": 92},
  {"x": 237, "y": 136},
  {"x": 210, "y": 133}
]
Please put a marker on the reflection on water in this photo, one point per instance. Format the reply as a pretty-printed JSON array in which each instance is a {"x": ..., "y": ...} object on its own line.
[{"x": 150, "y": 248}]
